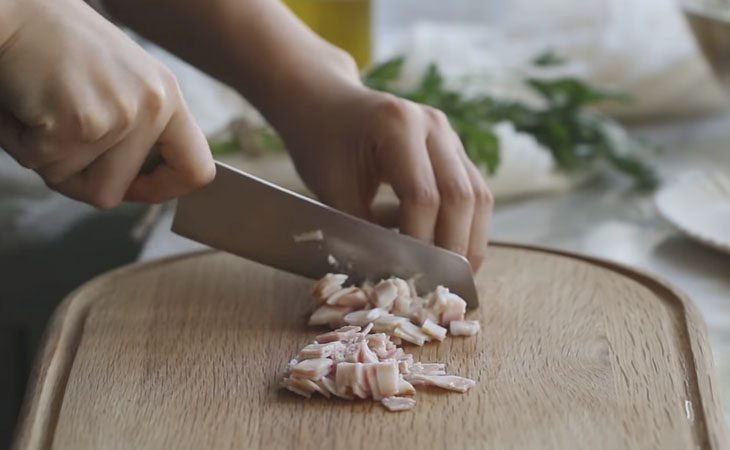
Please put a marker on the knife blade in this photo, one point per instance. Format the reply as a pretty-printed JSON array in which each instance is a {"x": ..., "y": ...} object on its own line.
[{"x": 250, "y": 217}]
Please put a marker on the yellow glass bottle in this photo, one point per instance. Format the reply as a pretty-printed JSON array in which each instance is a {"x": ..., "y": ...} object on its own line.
[{"x": 344, "y": 23}]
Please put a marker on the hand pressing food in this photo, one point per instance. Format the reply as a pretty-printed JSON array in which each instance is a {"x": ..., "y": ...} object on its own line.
[
  {"x": 393, "y": 306},
  {"x": 84, "y": 106},
  {"x": 351, "y": 362}
]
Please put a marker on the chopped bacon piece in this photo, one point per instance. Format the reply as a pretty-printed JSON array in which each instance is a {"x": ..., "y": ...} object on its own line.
[
  {"x": 339, "y": 334},
  {"x": 405, "y": 388},
  {"x": 364, "y": 317},
  {"x": 452, "y": 308},
  {"x": 301, "y": 386},
  {"x": 464, "y": 327},
  {"x": 396, "y": 404},
  {"x": 393, "y": 306},
  {"x": 351, "y": 363},
  {"x": 402, "y": 304},
  {"x": 455, "y": 310},
  {"x": 323, "y": 387},
  {"x": 366, "y": 355},
  {"x": 377, "y": 341},
  {"x": 312, "y": 369},
  {"x": 450, "y": 382},
  {"x": 388, "y": 378},
  {"x": 385, "y": 294},
  {"x": 325, "y": 350},
  {"x": 344, "y": 379},
  {"x": 327, "y": 384},
  {"x": 434, "y": 330},
  {"x": 411, "y": 333},
  {"x": 329, "y": 315},
  {"x": 404, "y": 366},
  {"x": 420, "y": 314},
  {"x": 371, "y": 375},
  {"x": 428, "y": 368},
  {"x": 386, "y": 324},
  {"x": 352, "y": 297},
  {"x": 328, "y": 285}
]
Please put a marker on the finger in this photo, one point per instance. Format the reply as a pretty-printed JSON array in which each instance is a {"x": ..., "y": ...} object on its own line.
[
  {"x": 71, "y": 124},
  {"x": 483, "y": 203},
  {"x": 405, "y": 164},
  {"x": 188, "y": 163},
  {"x": 55, "y": 160},
  {"x": 107, "y": 179},
  {"x": 79, "y": 157},
  {"x": 455, "y": 189}
]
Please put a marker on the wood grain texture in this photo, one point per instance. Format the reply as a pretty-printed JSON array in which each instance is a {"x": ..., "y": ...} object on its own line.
[{"x": 187, "y": 353}]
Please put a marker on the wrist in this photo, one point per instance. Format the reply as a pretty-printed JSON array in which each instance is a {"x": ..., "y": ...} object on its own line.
[{"x": 308, "y": 88}]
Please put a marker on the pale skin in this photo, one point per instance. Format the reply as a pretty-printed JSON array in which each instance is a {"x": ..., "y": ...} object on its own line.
[{"x": 82, "y": 105}]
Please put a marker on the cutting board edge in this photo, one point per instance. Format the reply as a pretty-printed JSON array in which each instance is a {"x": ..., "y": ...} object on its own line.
[
  {"x": 53, "y": 362},
  {"x": 696, "y": 333},
  {"x": 55, "y": 356}
]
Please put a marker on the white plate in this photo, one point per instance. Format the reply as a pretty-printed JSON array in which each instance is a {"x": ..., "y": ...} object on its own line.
[{"x": 700, "y": 207}]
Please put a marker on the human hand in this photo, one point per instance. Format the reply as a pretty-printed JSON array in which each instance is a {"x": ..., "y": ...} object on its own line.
[
  {"x": 82, "y": 105},
  {"x": 353, "y": 139}
]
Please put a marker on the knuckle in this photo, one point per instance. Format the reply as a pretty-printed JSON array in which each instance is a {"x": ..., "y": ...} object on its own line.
[
  {"x": 89, "y": 126},
  {"x": 483, "y": 196},
  {"x": 155, "y": 97},
  {"x": 436, "y": 116},
  {"x": 345, "y": 60},
  {"x": 424, "y": 196},
  {"x": 126, "y": 116},
  {"x": 458, "y": 192},
  {"x": 43, "y": 122},
  {"x": 169, "y": 82},
  {"x": 157, "y": 94},
  {"x": 396, "y": 109}
]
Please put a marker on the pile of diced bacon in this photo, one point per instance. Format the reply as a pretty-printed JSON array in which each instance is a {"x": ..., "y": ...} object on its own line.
[
  {"x": 352, "y": 363},
  {"x": 362, "y": 358},
  {"x": 393, "y": 307}
]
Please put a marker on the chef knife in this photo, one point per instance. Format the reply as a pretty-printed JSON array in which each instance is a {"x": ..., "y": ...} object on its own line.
[{"x": 255, "y": 219}]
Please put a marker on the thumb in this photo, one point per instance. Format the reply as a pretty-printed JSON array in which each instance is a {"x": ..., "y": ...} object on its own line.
[{"x": 185, "y": 163}]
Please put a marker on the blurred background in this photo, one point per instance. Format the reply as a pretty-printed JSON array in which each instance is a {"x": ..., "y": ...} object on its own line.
[{"x": 601, "y": 127}]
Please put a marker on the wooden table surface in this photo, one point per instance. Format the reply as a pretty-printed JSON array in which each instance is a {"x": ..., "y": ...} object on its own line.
[{"x": 187, "y": 353}]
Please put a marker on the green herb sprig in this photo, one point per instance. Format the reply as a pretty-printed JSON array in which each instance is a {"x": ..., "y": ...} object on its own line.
[{"x": 575, "y": 134}]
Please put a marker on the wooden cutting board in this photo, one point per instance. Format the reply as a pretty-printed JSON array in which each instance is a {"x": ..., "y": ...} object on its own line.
[{"x": 186, "y": 353}]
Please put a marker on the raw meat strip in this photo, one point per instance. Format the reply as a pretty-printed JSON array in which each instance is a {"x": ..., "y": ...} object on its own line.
[
  {"x": 398, "y": 403},
  {"x": 464, "y": 327}
]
